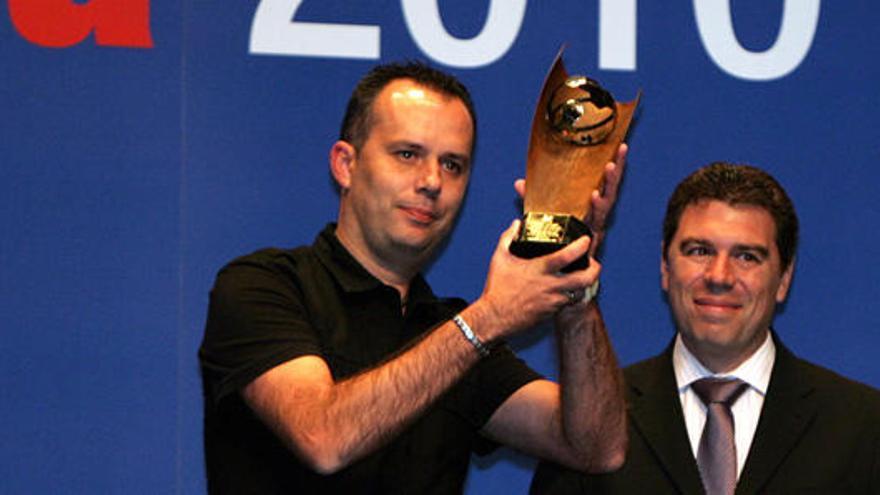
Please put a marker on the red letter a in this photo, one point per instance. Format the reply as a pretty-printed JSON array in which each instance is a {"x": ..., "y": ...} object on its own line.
[{"x": 61, "y": 23}]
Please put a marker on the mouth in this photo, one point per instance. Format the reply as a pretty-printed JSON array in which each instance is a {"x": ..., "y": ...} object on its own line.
[
  {"x": 716, "y": 306},
  {"x": 420, "y": 215}
]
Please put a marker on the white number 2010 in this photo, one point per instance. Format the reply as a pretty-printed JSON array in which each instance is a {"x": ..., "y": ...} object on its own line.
[{"x": 275, "y": 32}]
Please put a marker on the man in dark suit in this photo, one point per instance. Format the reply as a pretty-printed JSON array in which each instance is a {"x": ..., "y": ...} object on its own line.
[{"x": 729, "y": 242}]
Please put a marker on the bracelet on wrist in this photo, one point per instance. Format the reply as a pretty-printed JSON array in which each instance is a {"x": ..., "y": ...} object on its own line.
[{"x": 469, "y": 334}]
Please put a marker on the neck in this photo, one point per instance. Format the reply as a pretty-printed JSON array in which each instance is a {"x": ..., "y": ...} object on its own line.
[
  {"x": 719, "y": 359},
  {"x": 395, "y": 275}
]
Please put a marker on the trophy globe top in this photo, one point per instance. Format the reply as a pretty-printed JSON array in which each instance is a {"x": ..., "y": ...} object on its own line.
[{"x": 581, "y": 111}]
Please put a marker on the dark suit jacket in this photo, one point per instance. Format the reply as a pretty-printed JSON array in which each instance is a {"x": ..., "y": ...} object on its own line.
[{"x": 818, "y": 433}]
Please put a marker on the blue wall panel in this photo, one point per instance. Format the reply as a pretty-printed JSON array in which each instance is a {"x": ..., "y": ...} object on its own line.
[{"x": 128, "y": 176}]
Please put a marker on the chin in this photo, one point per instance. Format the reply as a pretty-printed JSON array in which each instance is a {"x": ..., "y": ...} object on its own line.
[
  {"x": 710, "y": 338},
  {"x": 426, "y": 237},
  {"x": 716, "y": 338},
  {"x": 415, "y": 247}
]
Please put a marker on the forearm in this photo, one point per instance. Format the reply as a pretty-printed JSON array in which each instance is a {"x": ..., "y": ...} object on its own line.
[
  {"x": 593, "y": 407},
  {"x": 371, "y": 408},
  {"x": 332, "y": 424}
]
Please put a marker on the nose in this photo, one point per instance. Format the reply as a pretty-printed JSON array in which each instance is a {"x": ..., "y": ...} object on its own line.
[
  {"x": 719, "y": 274},
  {"x": 430, "y": 180}
]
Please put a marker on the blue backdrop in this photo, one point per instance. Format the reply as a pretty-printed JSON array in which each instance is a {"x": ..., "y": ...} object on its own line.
[{"x": 145, "y": 143}]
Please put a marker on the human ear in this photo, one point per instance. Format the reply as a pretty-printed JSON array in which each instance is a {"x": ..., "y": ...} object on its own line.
[
  {"x": 664, "y": 268},
  {"x": 342, "y": 158},
  {"x": 785, "y": 283}
]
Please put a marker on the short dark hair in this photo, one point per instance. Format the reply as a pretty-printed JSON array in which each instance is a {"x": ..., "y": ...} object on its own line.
[
  {"x": 736, "y": 185},
  {"x": 357, "y": 122}
]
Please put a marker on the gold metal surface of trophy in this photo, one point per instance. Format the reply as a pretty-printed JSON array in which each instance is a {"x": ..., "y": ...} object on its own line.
[{"x": 576, "y": 130}]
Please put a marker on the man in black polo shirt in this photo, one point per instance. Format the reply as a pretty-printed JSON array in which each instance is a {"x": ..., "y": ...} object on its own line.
[{"x": 334, "y": 368}]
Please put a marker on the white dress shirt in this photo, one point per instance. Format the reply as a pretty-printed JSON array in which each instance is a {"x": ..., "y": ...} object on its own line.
[{"x": 755, "y": 371}]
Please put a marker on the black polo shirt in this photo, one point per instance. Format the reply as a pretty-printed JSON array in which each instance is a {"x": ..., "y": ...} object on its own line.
[{"x": 275, "y": 305}]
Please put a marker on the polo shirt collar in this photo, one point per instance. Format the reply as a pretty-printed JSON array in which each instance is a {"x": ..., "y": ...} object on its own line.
[{"x": 351, "y": 275}]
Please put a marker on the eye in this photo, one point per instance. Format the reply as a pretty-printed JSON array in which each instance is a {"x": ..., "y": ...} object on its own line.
[
  {"x": 749, "y": 257},
  {"x": 696, "y": 250},
  {"x": 452, "y": 165},
  {"x": 406, "y": 155}
]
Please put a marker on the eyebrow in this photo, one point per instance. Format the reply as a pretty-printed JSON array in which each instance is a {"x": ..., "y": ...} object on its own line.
[{"x": 410, "y": 145}]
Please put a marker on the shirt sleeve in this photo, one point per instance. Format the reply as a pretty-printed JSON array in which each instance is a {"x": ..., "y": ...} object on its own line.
[
  {"x": 256, "y": 321},
  {"x": 482, "y": 391}
]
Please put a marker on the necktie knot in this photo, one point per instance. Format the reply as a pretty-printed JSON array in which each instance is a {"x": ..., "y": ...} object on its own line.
[{"x": 719, "y": 390}]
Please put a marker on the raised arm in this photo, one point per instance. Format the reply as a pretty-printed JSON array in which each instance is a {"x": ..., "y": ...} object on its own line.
[
  {"x": 593, "y": 404},
  {"x": 330, "y": 424},
  {"x": 580, "y": 423}
]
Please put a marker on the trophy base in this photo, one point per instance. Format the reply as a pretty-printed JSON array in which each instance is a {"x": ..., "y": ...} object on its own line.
[{"x": 545, "y": 233}]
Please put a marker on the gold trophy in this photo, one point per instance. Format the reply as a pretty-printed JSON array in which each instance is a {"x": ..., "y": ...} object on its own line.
[{"x": 576, "y": 130}]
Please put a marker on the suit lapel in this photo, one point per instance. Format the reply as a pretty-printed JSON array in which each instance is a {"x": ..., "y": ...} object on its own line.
[
  {"x": 656, "y": 413},
  {"x": 787, "y": 412}
]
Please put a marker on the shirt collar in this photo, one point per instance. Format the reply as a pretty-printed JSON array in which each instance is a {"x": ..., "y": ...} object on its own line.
[
  {"x": 351, "y": 275},
  {"x": 755, "y": 370}
]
